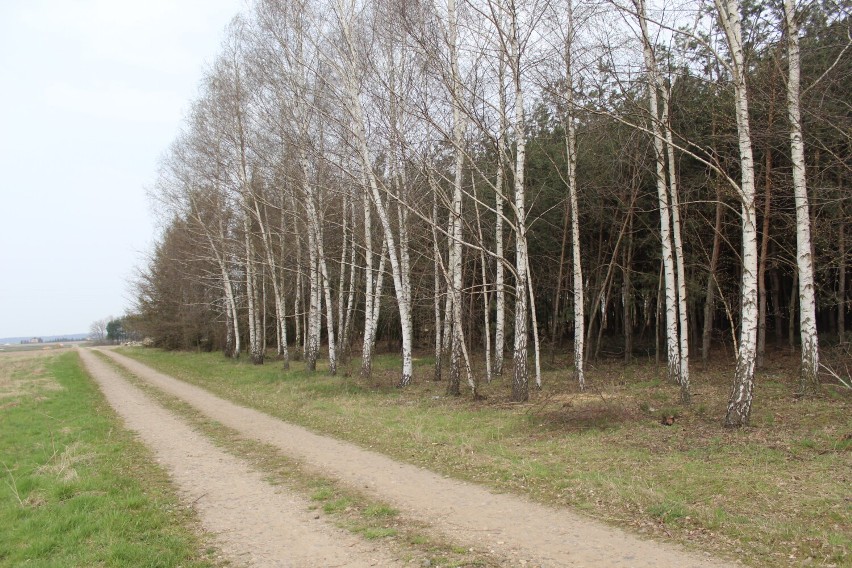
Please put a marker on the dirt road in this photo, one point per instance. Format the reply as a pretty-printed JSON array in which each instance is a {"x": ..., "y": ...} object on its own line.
[
  {"x": 521, "y": 532},
  {"x": 254, "y": 523}
]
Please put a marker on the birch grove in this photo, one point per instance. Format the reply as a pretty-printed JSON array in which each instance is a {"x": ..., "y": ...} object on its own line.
[{"x": 362, "y": 177}]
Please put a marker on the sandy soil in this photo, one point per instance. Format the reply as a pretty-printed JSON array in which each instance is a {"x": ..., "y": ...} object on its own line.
[
  {"x": 513, "y": 529},
  {"x": 254, "y": 523}
]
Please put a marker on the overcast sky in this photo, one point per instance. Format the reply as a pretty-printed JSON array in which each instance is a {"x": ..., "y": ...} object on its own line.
[{"x": 92, "y": 92}]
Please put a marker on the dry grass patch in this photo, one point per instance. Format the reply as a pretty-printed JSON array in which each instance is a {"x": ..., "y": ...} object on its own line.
[
  {"x": 63, "y": 465},
  {"x": 25, "y": 374}
]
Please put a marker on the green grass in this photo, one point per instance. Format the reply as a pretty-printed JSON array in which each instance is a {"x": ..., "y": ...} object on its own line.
[
  {"x": 766, "y": 493},
  {"x": 78, "y": 490},
  {"x": 380, "y": 511},
  {"x": 372, "y": 533}
]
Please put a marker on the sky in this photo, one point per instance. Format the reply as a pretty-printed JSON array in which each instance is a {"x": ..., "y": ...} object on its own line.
[{"x": 92, "y": 93}]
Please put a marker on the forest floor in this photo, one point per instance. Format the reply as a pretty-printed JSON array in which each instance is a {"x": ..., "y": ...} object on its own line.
[{"x": 264, "y": 524}]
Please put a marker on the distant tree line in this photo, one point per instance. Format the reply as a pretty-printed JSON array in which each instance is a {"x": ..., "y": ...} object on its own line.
[
  {"x": 495, "y": 178},
  {"x": 115, "y": 330}
]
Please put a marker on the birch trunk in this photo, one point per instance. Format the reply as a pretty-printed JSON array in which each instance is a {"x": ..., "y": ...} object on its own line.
[
  {"x": 436, "y": 256},
  {"x": 257, "y": 346},
  {"x": 670, "y": 290},
  {"x": 369, "y": 295},
  {"x": 346, "y": 345},
  {"x": 499, "y": 198},
  {"x": 809, "y": 381},
  {"x": 312, "y": 333},
  {"x": 739, "y": 405},
  {"x": 682, "y": 309},
  {"x": 320, "y": 276},
  {"x": 256, "y": 350},
  {"x": 577, "y": 268},
  {"x": 280, "y": 319},
  {"x": 455, "y": 280},
  {"x": 400, "y": 199},
  {"x": 520, "y": 374},
  {"x": 576, "y": 257},
  {"x": 232, "y": 316}
]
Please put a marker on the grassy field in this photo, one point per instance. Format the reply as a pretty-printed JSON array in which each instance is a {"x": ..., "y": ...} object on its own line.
[
  {"x": 776, "y": 493},
  {"x": 77, "y": 489}
]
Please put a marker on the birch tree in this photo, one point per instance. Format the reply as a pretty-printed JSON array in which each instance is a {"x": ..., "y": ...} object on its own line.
[
  {"x": 739, "y": 405},
  {"x": 568, "y": 116},
  {"x": 677, "y": 346},
  {"x": 809, "y": 381},
  {"x": 512, "y": 39}
]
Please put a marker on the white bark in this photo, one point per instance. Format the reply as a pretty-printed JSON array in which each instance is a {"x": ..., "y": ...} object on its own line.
[
  {"x": 347, "y": 312},
  {"x": 739, "y": 405},
  {"x": 683, "y": 338},
  {"x": 321, "y": 278},
  {"x": 571, "y": 156},
  {"x": 314, "y": 327},
  {"x": 256, "y": 348},
  {"x": 670, "y": 291},
  {"x": 804, "y": 259},
  {"x": 520, "y": 376},
  {"x": 499, "y": 278},
  {"x": 369, "y": 294},
  {"x": 281, "y": 322}
]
